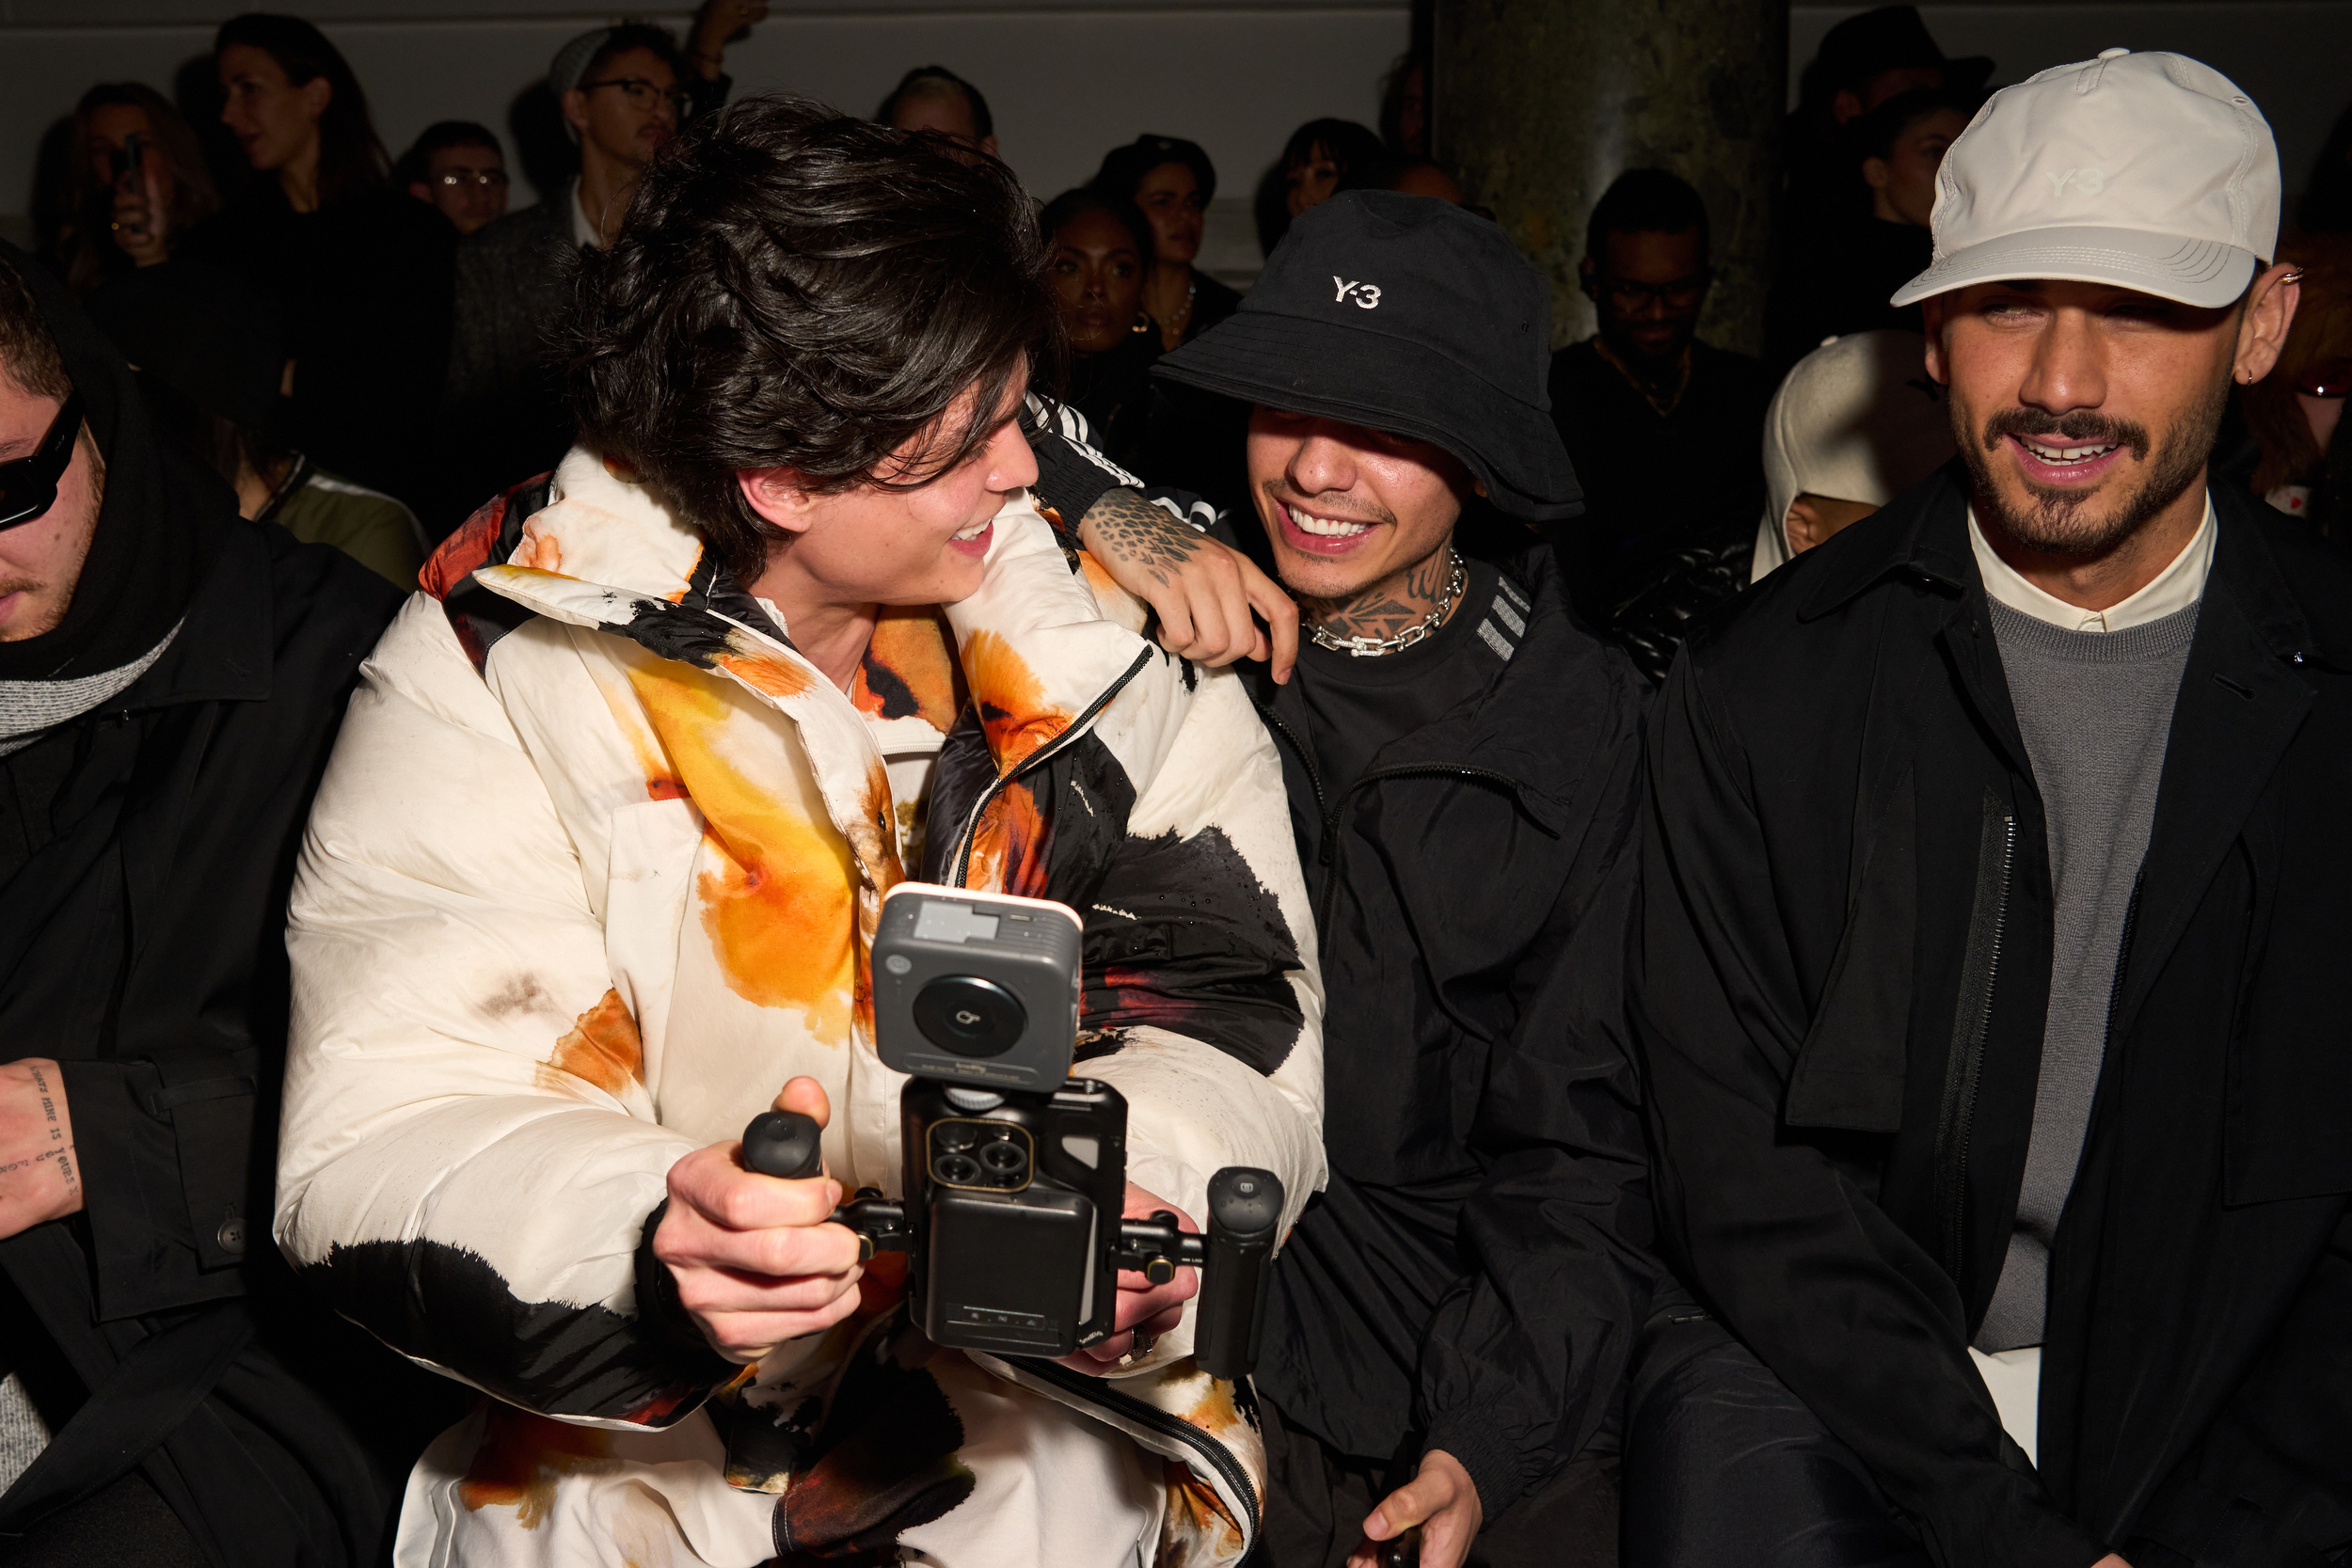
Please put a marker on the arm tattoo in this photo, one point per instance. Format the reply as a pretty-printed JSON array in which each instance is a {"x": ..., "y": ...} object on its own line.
[
  {"x": 1387, "y": 606},
  {"x": 1128, "y": 528}
]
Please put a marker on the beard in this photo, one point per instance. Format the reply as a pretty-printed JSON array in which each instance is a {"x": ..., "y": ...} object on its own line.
[{"x": 2084, "y": 524}]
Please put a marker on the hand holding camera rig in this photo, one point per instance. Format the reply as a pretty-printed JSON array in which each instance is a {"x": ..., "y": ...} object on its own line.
[{"x": 1016, "y": 1173}]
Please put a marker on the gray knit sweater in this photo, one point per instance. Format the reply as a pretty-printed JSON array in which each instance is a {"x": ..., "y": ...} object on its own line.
[{"x": 2095, "y": 709}]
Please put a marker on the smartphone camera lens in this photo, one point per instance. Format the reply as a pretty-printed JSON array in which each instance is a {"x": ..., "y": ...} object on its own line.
[
  {"x": 1005, "y": 1158},
  {"x": 969, "y": 1016},
  {"x": 950, "y": 1136},
  {"x": 957, "y": 1170}
]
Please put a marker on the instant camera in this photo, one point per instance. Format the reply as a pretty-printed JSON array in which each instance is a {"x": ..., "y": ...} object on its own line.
[{"x": 1016, "y": 1173}]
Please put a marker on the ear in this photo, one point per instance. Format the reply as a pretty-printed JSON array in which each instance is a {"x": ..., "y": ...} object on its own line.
[
  {"x": 1845, "y": 106},
  {"x": 317, "y": 93},
  {"x": 2261, "y": 329},
  {"x": 576, "y": 110},
  {"x": 1801, "y": 525},
  {"x": 1933, "y": 317},
  {"x": 776, "y": 496},
  {"x": 1877, "y": 173},
  {"x": 421, "y": 191}
]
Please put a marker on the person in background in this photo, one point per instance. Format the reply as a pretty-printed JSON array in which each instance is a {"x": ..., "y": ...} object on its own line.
[
  {"x": 1864, "y": 61},
  {"x": 1447, "y": 1326},
  {"x": 2296, "y": 413},
  {"x": 172, "y": 678},
  {"x": 211, "y": 353},
  {"x": 1664, "y": 429},
  {"x": 1993, "y": 913},
  {"x": 1855, "y": 423},
  {"x": 623, "y": 90},
  {"x": 1171, "y": 183},
  {"x": 458, "y": 168},
  {"x": 361, "y": 273},
  {"x": 139, "y": 184},
  {"x": 1322, "y": 158},
  {"x": 1858, "y": 261},
  {"x": 1405, "y": 107},
  {"x": 1424, "y": 177},
  {"x": 1096, "y": 251},
  {"x": 932, "y": 98}
]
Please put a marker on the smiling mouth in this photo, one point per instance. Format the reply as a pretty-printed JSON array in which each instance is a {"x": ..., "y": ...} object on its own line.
[
  {"x": 966, "y": 535},
  {"x": 1324, "y": 527},
  {"x": 2059, "y": 457}
]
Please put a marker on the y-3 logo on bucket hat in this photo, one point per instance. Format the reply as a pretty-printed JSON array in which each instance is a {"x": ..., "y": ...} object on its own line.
[{"x": 1367, "y": 295}]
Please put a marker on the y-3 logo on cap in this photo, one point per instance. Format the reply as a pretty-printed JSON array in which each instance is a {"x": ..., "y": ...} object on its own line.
[
  {"x": 1367, "y": 295},
  {"x": 2090, "y": 181}
]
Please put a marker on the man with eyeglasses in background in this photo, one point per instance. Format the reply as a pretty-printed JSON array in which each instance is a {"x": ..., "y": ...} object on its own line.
[
  {"x": 623, "y": 91},
  {"x": 459, "y": 168},
  {"x": 1665, "y": 432}
]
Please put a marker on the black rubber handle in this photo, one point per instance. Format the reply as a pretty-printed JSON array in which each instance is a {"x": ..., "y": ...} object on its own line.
[
  {"x": 1245, "y": 1207},
  {"x": 786, "y": 1144}
]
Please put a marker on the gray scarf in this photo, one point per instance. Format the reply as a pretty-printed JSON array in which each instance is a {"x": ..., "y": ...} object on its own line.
[{"x": 29, "y": 709}]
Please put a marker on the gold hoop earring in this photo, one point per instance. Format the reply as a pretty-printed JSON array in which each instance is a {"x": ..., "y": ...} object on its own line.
[{"x": 1143, "y": 322}]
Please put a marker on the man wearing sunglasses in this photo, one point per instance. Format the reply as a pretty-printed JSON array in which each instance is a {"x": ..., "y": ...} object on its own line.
[
  {"x": 171, "y": 677},
  {"x": 1665, "y": 431}
]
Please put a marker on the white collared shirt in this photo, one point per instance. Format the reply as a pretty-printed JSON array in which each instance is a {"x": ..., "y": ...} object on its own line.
[
  {"x": 585, "y": 231},
  {"x": 2175, "y": 588}
]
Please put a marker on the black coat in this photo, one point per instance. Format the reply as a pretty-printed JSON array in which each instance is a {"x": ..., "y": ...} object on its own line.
[
  {"x": 1471, "y": 1278},
  {"x": 1847, "y": 927},
  {"x": 143, "y": 945}
]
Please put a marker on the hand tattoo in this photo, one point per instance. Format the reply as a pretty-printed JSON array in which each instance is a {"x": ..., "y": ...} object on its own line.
[
  {"x": 61, "y": 1150},
  {"x": 1130, "y": 529}
]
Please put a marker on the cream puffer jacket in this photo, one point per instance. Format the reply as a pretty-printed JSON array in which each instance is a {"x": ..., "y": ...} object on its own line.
[{"x": 592, "y": 873}]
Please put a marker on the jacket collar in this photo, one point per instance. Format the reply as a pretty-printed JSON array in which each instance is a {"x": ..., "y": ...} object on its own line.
[{"x": 223, "y": 650}]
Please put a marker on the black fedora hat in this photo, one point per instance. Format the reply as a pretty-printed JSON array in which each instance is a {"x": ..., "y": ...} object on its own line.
[
  {"x": 1413, "y": 317},
  {"x": 1892, "y": 38}
]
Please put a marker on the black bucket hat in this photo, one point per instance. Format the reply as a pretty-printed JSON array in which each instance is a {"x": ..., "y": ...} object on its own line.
[{"x": 1413, "y": 317}]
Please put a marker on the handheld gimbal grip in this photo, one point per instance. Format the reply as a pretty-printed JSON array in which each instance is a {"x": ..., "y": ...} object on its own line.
[
  {"x": 785, "y": 1144},
  {"x": 1245, "y": 1208}
]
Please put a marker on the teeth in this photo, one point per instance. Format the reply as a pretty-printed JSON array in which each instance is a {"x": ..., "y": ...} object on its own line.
[
  {"x": 1326, "y": 527},
  {"x": 976, "y": 529},
  {"x": 2064, "y": 455}
]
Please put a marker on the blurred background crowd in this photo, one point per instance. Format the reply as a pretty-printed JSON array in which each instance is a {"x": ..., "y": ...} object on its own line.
[{"x": 351, "y": 334}]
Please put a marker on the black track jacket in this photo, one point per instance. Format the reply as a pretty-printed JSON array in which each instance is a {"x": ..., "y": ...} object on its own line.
[
  {"x": 1846, "y": 950},
  {"x": 1473, "y": 1276}
]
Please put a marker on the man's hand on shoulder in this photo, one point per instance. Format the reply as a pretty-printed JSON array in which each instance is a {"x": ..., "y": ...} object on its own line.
[
  {"x": 1441, "y": 1499},
  {"x": 1204, "y": 592},
  {"x": 40, "y": 1175}
]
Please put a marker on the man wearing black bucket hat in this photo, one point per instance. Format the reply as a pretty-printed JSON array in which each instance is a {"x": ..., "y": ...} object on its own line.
[{"x": 1453, "y": 1312}]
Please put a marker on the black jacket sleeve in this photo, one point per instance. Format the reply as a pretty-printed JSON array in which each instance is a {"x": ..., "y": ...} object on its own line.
[
  {"x": 1524, "y": 1360},
  {"x": 1831, "y": 1294}
]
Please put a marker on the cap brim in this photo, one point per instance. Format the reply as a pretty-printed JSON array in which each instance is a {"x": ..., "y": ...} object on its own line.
[
  {"x": 1391, "y": 385},
  {"x": 2204, "y": 273}
]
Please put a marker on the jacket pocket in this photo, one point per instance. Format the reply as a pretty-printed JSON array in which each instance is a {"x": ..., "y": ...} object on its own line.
[{"x": 1972, "y": 1016}]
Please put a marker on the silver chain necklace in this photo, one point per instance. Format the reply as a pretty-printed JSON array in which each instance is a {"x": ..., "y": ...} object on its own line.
[{"x": 1372, "y": 647}]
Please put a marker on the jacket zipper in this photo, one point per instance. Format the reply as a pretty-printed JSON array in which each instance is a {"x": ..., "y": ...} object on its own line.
[
  {"x": 1095, "y": 1391},
  {"x": 1988, "y": 923},
  {"x": 1069, "y": 737}
]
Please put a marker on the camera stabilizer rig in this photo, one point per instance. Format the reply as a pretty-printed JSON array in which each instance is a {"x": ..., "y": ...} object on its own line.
[{"x": 1016, "y": 1175}]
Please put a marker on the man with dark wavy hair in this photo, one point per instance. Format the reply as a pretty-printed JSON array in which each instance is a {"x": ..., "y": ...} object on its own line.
[{"x": 593, "y": 877}]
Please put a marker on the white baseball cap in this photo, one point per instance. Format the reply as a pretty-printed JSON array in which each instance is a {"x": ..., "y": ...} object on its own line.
[{"x": 2147, "y": 171}]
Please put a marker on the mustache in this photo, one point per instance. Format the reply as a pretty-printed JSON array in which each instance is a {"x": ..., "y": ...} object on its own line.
[
  {"x": 2077, "y": 427},
  {"x": 1279, "y": 494}
]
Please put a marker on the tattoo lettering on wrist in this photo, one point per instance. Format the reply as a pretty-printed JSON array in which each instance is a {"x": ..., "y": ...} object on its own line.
[
  {"x": 1128, "y": 528},
  {"x": 62, "y": 1149}
]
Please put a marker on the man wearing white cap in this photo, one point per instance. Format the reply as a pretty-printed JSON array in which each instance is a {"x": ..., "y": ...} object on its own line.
[{"x": 1994, "y": 914}]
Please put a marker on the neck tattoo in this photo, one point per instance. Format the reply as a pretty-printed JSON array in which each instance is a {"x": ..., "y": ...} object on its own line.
[{"x": 1392, "y": 616}]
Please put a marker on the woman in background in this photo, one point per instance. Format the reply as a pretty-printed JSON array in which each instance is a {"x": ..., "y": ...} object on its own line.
[
  {"x": 1171, "y": 183},
  {"x": 1322, "y": 158},
  {"x": 138, "y": 184},
  {"x": 1097, "y": 249},
  {"x": 2296, "y": 413},
  {"x": 361, "y": 272}
]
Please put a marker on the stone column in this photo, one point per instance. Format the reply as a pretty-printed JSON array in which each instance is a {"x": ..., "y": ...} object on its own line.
[{"x": 1539, "y": 103}]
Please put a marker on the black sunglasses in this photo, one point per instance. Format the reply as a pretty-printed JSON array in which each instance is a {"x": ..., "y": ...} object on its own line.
[{"x": 28, "y": 485}]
